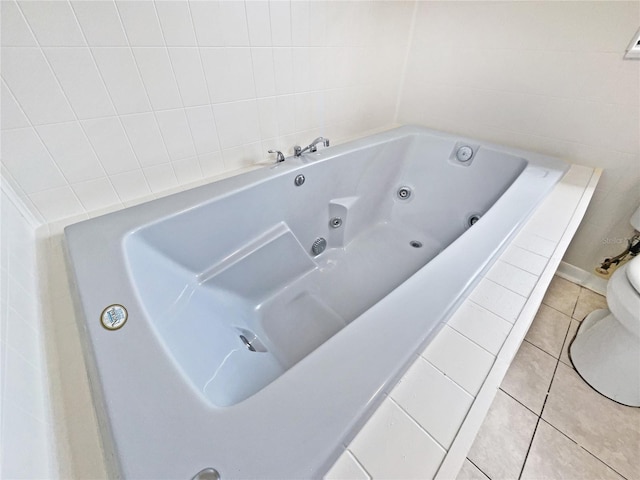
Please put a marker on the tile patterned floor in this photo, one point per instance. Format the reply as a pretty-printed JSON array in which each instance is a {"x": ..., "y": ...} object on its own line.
[{"x": 546, "y": 422}]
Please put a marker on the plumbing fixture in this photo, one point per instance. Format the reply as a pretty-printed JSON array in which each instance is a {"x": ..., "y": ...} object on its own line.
[
  {"x": 335, "y": 222},
  {"x": 298, "y": 150},
  {"x": 318, "y": 246},
  {"x": 279, "y": 157},
  {"x": 207, "y": 474},
  {"x": 299, "y": 180},
  {"x": 404, "y": 193},
  {"x": 464, "y": 153},
  {"x": 473, "y": 219},
  {"x": 415, "y": 243}
]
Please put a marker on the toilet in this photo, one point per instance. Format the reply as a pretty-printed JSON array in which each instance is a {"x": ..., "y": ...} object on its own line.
[{"x": 606, "y": 349}]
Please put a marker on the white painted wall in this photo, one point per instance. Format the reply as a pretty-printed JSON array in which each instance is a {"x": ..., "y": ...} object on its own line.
[
  {"x": 107, "y": 102},
  {"x": 545, "y": 76}
]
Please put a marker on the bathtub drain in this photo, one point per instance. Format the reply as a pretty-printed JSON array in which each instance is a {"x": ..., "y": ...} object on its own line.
[{"x": 415, "y": 243}]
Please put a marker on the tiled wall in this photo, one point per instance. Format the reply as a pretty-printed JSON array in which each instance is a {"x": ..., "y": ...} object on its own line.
[
  {"x": 25, "y": 419},
  {"x": 544, "y": 76},
  {"x": 104, "y": 102}
]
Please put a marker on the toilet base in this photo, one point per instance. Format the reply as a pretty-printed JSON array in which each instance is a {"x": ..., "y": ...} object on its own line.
[{"x": 607, "y": 357}]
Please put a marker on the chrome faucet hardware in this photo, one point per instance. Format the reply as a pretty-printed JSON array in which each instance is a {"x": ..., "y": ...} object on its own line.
[
  {"x": 279, "y": 157},
  {"x": 312, "y": 147}
]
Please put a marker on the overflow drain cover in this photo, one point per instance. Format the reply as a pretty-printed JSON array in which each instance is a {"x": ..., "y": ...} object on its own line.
[{"x": 113, "y": 317}]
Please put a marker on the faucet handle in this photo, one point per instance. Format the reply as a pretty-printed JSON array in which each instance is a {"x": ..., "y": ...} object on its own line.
[{"x": 279, "y": 157}]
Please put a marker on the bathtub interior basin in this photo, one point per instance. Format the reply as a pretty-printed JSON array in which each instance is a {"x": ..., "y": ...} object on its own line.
[{"x": 251, "y": 351}]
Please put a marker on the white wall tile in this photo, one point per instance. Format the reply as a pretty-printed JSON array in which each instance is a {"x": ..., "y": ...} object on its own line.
[
  {"x": 262, "y": 59},
  {"x": 392, "y": 445},
  {"x": 259, "y": 23},
  {"x": 95, "y": 194},
  {"x": 130, "y": 185},
  {"x": 26, "y": 158},
  {"x": 237, "y": 123},
  {"x": 465, "y": 362},
  {"x": 286, "y": 106},
  {"x": 433, "y": 400},
  {"x": 14, "y": 30},
  {"x": 235, "y": 80},
  {"x": 111, "y": 144},
  {"x": 300, "y": 24},
  {"x": 233, "y": 24},
  {"x": 100, "y": 23},
  {"x": 175, "y": 20},
  {"x": 203, "y": 129},
  {"x": 30, "y": 79},
  {"x": 280, "y": 12},
  {"x": 480, "y": 325},
  {"x": 57, "y": 203},
  {"x": 190, "y": 76},
  {"x": 512, "y": 277},
  {"x": 71, "y": 151},
  {"x": 244, "y": 156},
  {"x": 535, "y": 243},
  {"x": 498, "y": 299},
  {"x": 141, "y": 23},
  {"x": 146, "y": 140},
  {"x": 283, "y": 70},
  {"x": 211, "y": 164},
  {"x": 187, "y": 170},
  {"x": 268, "y": 117},
  {"x": 53, "y": 23},
  {"x": 176, "y": 133},
  {"x": 81, "y": 81},
  {"x": 157, "y": 76},
  {"x": 119, "y": 71},
  {"x": 12, "y": 115},
  {"x": 526, "y": 260},
  {"x": 160, "y": 177},
  {"x": 346, "y": 468},
  {"x": 206, "y": 17}
]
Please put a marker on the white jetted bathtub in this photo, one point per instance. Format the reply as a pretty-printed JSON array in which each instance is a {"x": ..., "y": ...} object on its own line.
[{"x": 266, "y": 316}]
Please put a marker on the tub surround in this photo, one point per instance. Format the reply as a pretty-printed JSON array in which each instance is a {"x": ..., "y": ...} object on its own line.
[
  {"x": 426, "y": 425},
  {"x": 541, "y": 170}
]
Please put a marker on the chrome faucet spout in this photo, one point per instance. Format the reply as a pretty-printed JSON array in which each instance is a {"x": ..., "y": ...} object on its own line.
[{"x": 312, "y": 147}]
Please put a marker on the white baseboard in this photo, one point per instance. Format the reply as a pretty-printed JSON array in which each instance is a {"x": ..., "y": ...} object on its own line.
[{"x": 582, "y": 278}]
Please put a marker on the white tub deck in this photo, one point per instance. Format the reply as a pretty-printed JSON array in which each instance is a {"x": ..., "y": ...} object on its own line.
[{"x": 426, "y": 425}]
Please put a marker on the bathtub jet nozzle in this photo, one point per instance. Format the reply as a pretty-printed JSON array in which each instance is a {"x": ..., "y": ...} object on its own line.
[{"x": 318, "y": 246}]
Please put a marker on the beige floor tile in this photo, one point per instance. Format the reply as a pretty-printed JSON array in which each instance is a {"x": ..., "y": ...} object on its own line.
[
  {"x": 573, "y": 328},
  {"x": 554, "y": 456},
  {"x": 548, "y": 330},
  {"x": 503, "y": 440},
  {"x": 562, "y": 295},
  {"x": 588, "y": 301},
  {"x": 470, "y": 472},
  {"x": 606, "y": 429},
  {"x": 529, "y": 377}
]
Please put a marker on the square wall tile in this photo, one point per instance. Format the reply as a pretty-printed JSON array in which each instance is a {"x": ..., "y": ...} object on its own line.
[
  {"x": 512, "y": 277},
  {"x": 160, "y": 177},
  {"x": 110, "y": 142},
  {"x": 81, "y": 81},
  {"x": 258, "y": 23},
  {"x": 14, "y": 30},
  {"x": 237, "y": 123},
  {"x": 158, "y": 78},
  {"x": 433, "y": 400},
  {"x": 130, "y": 185},
  {"x": 100, "y": 23},
  {"x": 347, "y": 468},
  {"x": 175, "y": 20},
  {"x": 53, "y": 23},
  {"x": 71, "y": 151},
  {"x": 480, "y": 325},
  {"x": 176, "y": 133},
  {"x": 57, "y": 203},
  {"x": 203, "y": 129},
  {"x": 120, "y": 74},
  {"x": 141, "y": 23},
  {"x": 391, "y": 445},
  {"x": 31, "y": 81},
  {"x": 190, "y": 76},
  {"x": 498, "y": 299},
  {"x": 96, "y": 194},
  {"x": 234, "y": 81},
  {"x": 12, "y": 115},
  {"x": 23, "y": 154},
  {"x": 465, "y": 362},
  {"x": 146, "y": 139}
]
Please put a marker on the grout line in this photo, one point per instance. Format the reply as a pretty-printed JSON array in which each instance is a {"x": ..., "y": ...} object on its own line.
[{"x": 479, "y": 469}]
